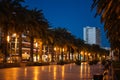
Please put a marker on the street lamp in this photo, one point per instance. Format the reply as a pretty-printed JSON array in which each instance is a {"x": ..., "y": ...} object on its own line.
[{"x": 8, "y": 38}]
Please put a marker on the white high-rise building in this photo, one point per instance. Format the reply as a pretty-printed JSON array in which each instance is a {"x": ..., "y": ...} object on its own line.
[{"x": 92, "y": 35}]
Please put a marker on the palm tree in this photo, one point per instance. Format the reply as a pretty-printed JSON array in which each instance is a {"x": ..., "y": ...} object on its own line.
[
  {"x": 7, "y": 8},
  {"x": 19, "y": 25},
  {"x": 60, "y": 39},
  {"x": 16, "y": 18},
  {"x": 47, "y": 39},
  {"x": 79, "y": 46},
  {"x": 110, "y": 16},
  {"x": 63, "y": 38},
  {"x": 36, "y": 26},
  {"x": 95, "y": 49}
]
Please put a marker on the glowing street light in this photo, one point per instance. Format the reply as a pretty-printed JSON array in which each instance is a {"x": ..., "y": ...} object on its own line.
[
  {"x": 8, "y": 39},
  {"x": 54, "y": 48},
  {"x": 36, "y": 44},
  {"x": 63, "y": 49}
]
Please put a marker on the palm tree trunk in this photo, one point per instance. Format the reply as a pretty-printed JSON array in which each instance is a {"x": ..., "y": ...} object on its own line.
[
  {"x": 20, "y": 46},
  {"x": 5, "y": 42},
  {"x": 84, "y": 56},
  {"x": 5, "y": 47},
  {"x": 31, "y": 48},
  {"x": 119, "y": 54},
  {"x": 69, "y": 53},
  {"x": 52, "y": 58},
  {"x": 78, "y": 55},
  {"x": 72, "y": 57},
  {"x": 62, "y": 55},
  {"x": 72, "y": 52}
]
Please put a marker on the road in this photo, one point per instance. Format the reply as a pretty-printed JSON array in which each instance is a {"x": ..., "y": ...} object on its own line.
[{"x": 52, "y": 72}]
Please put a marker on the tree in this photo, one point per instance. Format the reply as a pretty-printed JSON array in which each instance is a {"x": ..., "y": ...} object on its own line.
[
  {"x": 58, "y": 40},
  {"x": 79, "y": 46},
  {"x": 19, "y": 25},
  {"x": 36, "y": 26},
  {"x": 109, "y": 10},
  {"x": 7, "y": 15}
]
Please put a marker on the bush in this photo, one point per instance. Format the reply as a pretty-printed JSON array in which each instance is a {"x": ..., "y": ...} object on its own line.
[
  {"x": 116, "y": 64},
  {"x": 29, "y": 64},
  {"x": 90, "y": 63},
  {"x": 9, "y": 65},
  {"x": 78, "y": 62},
  {"x": 117, "y": 74},
  {"x": 93, "y": 62},
  {"x": 60, "y": 62},
  {"x": 45, "y": 63},
  {"x": 36, "y": 64},
  {"x": 103, "y": 62}
]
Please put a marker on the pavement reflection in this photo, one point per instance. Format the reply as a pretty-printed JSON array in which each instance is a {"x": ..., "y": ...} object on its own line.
[{"x": 51, "y": 72}]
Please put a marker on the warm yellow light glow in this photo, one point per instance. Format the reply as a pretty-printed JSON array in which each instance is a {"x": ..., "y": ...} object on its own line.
[
  {"x": 36, "y": 74},
  {"x": 89, "y": 71},
  {"x": 36, "y": 44},
  {"x": 49, "y": 68},
  {"x": 88, "y": 54},
  {"x": 103, "y": 56},
  {"x": 34, "y": 58},
  {"x": 85, "y": 67},
  {"x": 16, "y": 45},
  {"x": 8, "y": 38},
  {"x": 81, "y": 70},
  {"x": 63, "y": 72},
  {"x": 63, "y": 49},
  {"x": 43, "y": 68},
  {"x": 38, "y": 57},
  {"x": 14, "y": 34},
  {"x": 25, "y": 71},
  {"x": 54, "y": 48},
  {"x": 54, "y": 72},
  {"x": 81, "y": 52}
]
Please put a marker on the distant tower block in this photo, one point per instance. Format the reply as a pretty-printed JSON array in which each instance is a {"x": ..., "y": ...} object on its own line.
[{"x": 92, "y": 35}]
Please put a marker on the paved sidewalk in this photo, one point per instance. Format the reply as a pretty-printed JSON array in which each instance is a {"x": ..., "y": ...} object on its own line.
[{"x": 52, "y": 72}]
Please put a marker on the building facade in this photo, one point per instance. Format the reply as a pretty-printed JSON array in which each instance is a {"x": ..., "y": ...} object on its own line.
[{"x": 91, "y": 35}]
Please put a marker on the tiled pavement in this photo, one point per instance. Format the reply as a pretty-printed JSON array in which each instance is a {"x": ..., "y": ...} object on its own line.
[{"x": 52, "y": 72}]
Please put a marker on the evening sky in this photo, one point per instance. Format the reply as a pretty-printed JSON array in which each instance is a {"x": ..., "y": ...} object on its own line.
[{"x": 70, "y": 14}]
